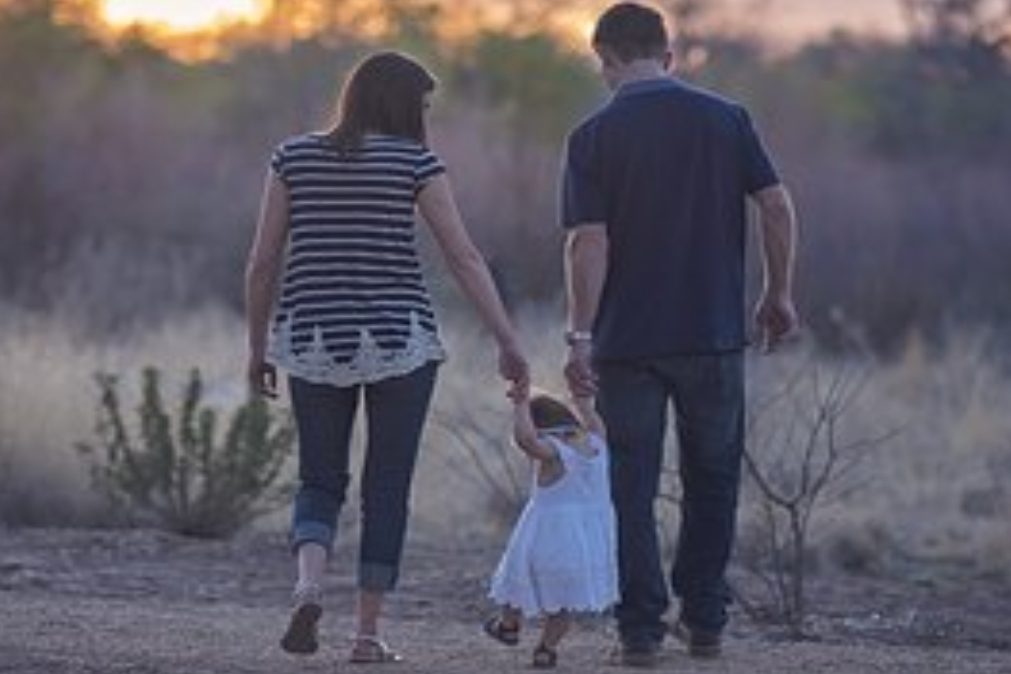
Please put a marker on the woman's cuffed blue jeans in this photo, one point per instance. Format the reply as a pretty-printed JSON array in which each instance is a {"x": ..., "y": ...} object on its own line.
[
  {"x": 395, "y": 411},
  {"x": 707, "y": 392}
]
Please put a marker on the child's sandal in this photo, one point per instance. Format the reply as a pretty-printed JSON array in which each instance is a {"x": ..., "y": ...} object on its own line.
[
  {"x": 502, "y": 633},
  {"x": 545, "y": 657}
]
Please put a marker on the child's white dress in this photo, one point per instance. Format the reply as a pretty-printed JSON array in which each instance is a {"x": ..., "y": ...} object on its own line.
[{"x": 562, "y": 553}]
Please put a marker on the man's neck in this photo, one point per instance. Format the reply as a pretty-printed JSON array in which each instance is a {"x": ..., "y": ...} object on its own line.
[{"x": 638, "y": 71}]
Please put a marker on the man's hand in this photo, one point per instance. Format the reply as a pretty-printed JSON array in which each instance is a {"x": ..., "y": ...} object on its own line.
[
  {"x": 776, "y": 321},
  {"x": 579, "y": 372}
]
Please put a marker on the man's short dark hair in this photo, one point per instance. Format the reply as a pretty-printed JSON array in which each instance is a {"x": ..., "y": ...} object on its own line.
[{"x": 631, "y": 31}]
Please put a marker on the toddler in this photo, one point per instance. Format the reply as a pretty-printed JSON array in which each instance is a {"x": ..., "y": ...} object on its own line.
[{"x": 561, "y": 556}]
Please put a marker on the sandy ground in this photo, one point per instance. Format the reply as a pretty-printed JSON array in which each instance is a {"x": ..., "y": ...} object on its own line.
[{"x": 148, "y": 602}]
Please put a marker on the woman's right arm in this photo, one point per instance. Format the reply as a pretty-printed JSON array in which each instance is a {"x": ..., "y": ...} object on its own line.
[
  {"x": 468, "y": 267},
  {"x": 263, "y": 272}
]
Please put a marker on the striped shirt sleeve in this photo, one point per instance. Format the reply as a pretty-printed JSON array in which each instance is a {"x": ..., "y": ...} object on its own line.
[
  {"x": 429, "y": 166},
  {"x": 278, "y": 163}
]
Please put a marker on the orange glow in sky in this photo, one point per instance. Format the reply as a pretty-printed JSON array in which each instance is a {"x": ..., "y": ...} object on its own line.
[
  {"x": 792, "y": 21},
  {"x": 181, "y": 15}
]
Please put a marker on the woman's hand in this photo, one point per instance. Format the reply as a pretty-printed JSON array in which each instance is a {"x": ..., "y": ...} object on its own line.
[
  {"x": 512, "y": 365},
  {"x": 261, "y": 377}
]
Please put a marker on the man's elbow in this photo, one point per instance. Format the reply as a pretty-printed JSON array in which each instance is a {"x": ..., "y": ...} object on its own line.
[
  {"x": 775, "y": 207},
  {"x": 588, "y": 241}
]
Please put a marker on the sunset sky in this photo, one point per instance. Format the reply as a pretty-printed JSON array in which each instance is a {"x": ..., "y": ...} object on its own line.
[
  {"x": 181, "y": 15},
  {"x": 792, "y": 20}
]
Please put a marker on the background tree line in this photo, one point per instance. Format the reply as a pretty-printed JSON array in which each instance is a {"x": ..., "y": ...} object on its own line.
[{"x": 129, "y": 178}]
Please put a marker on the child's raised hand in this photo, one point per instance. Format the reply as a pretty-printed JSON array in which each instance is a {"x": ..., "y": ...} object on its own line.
[{"x": 519, "y": 392}]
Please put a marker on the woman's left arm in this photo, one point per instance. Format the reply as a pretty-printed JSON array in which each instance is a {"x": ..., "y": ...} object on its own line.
[
  {"x": 437, "y": 205},
  {"x": 263, "y": 272}
]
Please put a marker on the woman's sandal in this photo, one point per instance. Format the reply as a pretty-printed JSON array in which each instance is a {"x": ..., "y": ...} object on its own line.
[
  {"x": 301, "y": 637},
  {"x": 502, "y": 633},
  {"x": 545, "y": 657},
  {"x": 372, "y": 651}
]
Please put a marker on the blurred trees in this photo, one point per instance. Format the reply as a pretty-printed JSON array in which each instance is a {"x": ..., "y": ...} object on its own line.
[{"x": 129, "y": 180}]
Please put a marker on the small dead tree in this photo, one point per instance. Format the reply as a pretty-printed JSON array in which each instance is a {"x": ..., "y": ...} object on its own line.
[
  {"x": 797, "y": 463},
  {"x": 491, "y": 458}
]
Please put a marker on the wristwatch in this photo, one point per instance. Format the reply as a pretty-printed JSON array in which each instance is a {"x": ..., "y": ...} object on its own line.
[{"x": 573, "y": 337}]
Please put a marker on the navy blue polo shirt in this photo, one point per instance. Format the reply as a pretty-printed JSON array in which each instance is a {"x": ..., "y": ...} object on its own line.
[{"x": 666, "y": 167}]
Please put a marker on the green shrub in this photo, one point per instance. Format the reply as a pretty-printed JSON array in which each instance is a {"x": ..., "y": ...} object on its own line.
[{"x": 179, "y": 474}]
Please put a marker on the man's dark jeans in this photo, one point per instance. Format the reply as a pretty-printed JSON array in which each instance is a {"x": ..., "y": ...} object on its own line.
[
  {"x": 395, "y": 410},
  {"x": 707, "y": 392}
]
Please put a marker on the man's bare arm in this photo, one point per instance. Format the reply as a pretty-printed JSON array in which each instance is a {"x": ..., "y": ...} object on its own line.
[
  {"x": 778, "y": 226},
  {"x": 585, "y": 271},
  {"x": 775, "y": 315}
]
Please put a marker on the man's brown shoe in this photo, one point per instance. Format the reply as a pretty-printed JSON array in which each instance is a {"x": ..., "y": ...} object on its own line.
[
  {"x": 644, "y": 655},
  {"x": 701, "y": 644}
]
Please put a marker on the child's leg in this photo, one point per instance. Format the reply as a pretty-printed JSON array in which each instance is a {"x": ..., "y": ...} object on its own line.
[
  {"x": 505, "y": 627},
  {"x": 556, "y": 625},
  {"x": 511, "y": 618}
]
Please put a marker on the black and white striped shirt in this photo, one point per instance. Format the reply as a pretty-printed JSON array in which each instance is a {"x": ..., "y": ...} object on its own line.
[{"x": 353, "y": 306}]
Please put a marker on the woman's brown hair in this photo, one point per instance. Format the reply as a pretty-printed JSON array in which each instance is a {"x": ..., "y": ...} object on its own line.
[{"x": 384, "y": 94}]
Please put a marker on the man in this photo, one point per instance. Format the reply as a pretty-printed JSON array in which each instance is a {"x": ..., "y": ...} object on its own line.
[{"x": 654, "y": 198}]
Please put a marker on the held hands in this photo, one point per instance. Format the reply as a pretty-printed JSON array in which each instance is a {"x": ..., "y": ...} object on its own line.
[
  {"x": 512, "y": 366},
  {"x": 776, "y": 321},
  {"x": 519, "y": 393}
]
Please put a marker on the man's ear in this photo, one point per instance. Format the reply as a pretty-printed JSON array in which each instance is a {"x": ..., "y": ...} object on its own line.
[
  {"x": 668, "y": 61},
  {"x": 608, "y": 57}
]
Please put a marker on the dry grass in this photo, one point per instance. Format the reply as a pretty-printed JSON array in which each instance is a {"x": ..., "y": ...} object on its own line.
[{"x": 936, "y": 491}]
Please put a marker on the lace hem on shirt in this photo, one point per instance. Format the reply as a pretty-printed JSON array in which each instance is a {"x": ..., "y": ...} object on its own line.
[{"x": 370, "y": 363}]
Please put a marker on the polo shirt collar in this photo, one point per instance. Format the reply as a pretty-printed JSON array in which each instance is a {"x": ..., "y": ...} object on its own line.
[{"x": 645, "y": 86}]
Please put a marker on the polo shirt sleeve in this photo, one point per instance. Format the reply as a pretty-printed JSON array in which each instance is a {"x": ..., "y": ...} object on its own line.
[
  {"x": 582, "y": 186},
  {"x": 759, "y": 171}
]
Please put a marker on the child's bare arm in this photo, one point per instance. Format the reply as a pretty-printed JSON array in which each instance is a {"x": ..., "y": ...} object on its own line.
[
  {"x": 525, "y": 433},
  {"x": 588, "y": 414}
]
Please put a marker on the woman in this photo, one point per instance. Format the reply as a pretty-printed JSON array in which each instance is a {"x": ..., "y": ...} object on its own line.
[{"x": 354, "y": 318}]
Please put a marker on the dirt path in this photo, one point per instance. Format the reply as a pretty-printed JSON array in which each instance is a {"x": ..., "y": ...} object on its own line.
[{"x": 149, "y": 603}]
